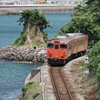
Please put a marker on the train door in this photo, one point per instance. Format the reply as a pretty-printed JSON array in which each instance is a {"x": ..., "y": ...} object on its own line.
[
  {"x": 50, "y": 49},
  {"x": 75, "y": 46},
  {"x": 86, "y": 42},
  {"x": 56, "y": 51},
  {"x": 70, "y": 48},
  {"x": 63, "y": 51}
]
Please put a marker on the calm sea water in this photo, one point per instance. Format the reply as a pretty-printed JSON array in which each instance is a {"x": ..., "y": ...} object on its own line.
[
  {"x": 12, "y": 75},
  {"x": 56, "y": 21}
]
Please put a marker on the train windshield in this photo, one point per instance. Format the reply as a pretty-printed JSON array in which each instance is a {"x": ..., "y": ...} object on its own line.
[
  {"x": 56, "y": 46},
  {"x": 63, "y": 46},
  {"x": 50, "y": 45}
]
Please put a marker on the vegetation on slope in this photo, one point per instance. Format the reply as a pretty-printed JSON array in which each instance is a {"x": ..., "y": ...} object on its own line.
[
  {"x": 20, "y": 41},
  {"x": 87, "y": 86},
  {"x": 31, "y": 90},
  {"x": 86, "y": 20},
  {"x": 94, "y": 61}
]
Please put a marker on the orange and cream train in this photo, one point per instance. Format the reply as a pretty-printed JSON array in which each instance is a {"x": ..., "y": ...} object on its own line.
[{"x": 65, "y": 47}]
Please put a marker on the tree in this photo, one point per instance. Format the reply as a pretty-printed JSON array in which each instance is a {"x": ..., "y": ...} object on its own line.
[
  {"x": 86, "y": 19},
  {"x": 34, "y": 22},
  {"x": 34, "y": 18},
  {"x": 94, "y": 60},
  {"x": 90, "y": 1}
]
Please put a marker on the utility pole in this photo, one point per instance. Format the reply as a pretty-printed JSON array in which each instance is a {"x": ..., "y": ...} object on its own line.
[
  {"x": 35, "y": 56},
  {"x": 86, "y": 71}
]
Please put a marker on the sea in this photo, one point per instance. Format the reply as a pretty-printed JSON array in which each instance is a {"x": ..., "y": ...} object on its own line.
[{"x": 13, "y": 75}]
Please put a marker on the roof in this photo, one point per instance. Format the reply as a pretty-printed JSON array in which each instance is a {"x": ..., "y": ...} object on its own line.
[{"x": 69, "y": 37}]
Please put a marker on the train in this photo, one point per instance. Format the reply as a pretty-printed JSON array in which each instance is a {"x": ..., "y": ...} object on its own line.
[{"x": 65, "y": 47}]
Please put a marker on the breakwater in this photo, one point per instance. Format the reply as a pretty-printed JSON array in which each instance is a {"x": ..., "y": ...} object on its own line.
[
  {"x": 45, "y": 9},
  {"x": 22, "y": 54}
]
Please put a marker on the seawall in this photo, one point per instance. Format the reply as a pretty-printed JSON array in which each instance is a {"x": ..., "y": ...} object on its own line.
[
  {"x": 34, "y": 76},
  {"x": 45, "y": 9}
]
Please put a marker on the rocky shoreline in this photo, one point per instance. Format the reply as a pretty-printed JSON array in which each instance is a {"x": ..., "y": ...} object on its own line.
[{"x": 22, "y": 54}]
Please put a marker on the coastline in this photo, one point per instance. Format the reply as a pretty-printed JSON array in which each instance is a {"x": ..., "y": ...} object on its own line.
[
  {"x": 25, "y": 55},
  {"x": 43, "y": 8},
  {"x": 43, "y": 76},
  {"x": 17, "y": 11}
]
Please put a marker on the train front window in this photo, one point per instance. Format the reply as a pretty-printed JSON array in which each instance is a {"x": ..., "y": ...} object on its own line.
[
  {"x": 63, "y": 46},
  {"x": 49, "y": 45},
  {"x": 56, "y": 46}
]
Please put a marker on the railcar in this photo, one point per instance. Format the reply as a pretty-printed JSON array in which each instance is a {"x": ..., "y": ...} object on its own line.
[{"x": 65, "y": 47}]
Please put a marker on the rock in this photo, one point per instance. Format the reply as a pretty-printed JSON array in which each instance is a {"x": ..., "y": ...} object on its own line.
[{"x": 22, "y": 54}]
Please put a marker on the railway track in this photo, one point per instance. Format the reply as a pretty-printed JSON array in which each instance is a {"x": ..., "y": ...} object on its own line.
[{"x": 61, "y": 89}]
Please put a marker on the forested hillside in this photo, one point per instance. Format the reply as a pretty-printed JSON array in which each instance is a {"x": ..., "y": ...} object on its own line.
[{"x": 86, "y": 20}]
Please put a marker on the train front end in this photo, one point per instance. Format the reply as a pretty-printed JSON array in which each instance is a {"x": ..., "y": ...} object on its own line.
[{"x": 56, "y": 52}]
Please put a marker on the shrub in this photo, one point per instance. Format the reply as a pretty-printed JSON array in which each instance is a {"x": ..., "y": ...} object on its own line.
[
  {"x": 20, "y": 41},
  {"x": 26, "y": 87},
  {"x": 45, "y": 36},
  {"x": 94, "y": 60},
  {"x": 35, "y": 95}
]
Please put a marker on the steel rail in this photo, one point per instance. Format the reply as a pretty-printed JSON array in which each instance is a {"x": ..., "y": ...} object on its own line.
[
  {"x": 57, "y": 92},
  {"x": 69, "y": 93},
  {"x": 56, "y": 88}
]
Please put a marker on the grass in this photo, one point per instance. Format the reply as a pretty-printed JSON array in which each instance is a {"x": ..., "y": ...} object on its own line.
[
  {"x": 31, "y": 90},
  {"x": 20, "y": 41},
  {"x": 90, "y": 91},
  {"x": 35, "y": 43}
]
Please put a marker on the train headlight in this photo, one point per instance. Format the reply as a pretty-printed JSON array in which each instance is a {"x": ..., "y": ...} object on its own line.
[
  {"x": 50, "y": 55},
  {"x": 62, "y": 56},
  {"x": 56, "y": 57}
]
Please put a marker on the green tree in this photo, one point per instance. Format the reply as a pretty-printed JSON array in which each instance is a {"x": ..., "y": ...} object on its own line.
[
  {"x": 86, "y": 19},
  {"x": 29, "y": 19},
  {"x": 90, "y": 1},
  {"x": 34, "y": 18},
  {"x": 94, "y": 60}
]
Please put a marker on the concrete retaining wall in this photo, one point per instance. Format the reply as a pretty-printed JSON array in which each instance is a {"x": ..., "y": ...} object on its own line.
[
  {"x": 34, "y": 76},
  {"x": 5, "y": 10},
  {"x": 34, "y": 72},
  {"x": 40, "y": 97}
]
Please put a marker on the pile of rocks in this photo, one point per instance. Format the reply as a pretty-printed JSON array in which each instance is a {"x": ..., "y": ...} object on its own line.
[{"x": 22, "y": 54}]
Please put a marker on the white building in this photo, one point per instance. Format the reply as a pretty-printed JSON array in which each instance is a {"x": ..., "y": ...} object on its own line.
[
  {"x": 6, "y": 2},
  {"x": 12, "y": 2}
]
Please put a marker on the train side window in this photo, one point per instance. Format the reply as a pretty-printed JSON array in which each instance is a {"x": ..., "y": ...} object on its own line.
[
  {"x": 70, "y": 46},
  {"x": 74, "y": 44},
  {"x": 49, "y": 45},
  {"x": 63, "y": 46},
  {"x": 56, "y": 46},
  {"x": 80, "y": 42}
]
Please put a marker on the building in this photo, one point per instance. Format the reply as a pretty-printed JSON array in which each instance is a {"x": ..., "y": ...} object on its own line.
[
  {"x": 23, "y": 2},
  {"x": 6, "y": 2}
]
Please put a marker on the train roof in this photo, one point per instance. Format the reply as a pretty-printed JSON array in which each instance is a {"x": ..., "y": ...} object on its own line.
[{"x": 69, "y": 36}]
